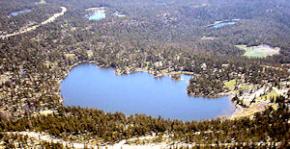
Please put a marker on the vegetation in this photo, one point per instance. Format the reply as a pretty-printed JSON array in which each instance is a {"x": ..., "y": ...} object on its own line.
[
  {"x": 269, "y": 126},
  {"x": 156, "y": 36},
  {"x": 231, "y": 85}
]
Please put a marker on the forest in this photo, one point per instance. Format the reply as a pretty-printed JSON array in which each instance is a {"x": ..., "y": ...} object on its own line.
[
  {"x": 156, "y": 36},
  {"x": 268, "y": 127}
]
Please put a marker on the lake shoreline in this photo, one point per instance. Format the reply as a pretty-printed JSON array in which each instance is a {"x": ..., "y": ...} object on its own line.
[
  {"x": 239, "y": 112},
  {"x": 156, "y": 74}
]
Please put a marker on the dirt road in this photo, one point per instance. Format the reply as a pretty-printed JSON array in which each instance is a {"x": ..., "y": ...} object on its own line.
[{"x": 34, "y": 27}]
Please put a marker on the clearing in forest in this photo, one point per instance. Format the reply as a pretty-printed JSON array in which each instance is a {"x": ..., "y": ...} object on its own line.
[{"x": 260, "y": 51}]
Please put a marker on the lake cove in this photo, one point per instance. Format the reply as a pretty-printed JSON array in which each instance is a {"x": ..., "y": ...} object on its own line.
[
  {"x": 96, "y": 14},
  {"x": 139, "y": 93}
]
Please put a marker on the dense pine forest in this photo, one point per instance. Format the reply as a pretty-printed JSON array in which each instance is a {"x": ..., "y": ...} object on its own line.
[{"x": 267, "y": 128}]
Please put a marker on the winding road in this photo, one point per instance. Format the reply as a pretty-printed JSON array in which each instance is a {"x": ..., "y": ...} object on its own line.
[{"x": 34, "y": 27}]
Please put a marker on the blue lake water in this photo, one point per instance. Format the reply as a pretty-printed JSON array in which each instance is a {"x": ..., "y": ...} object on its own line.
[
  {"x": 224, "y": 23},
  {"x": 97, "y": 15},
  {"x": 140, "y": 93},
  {"x": 16, "y": 13}
]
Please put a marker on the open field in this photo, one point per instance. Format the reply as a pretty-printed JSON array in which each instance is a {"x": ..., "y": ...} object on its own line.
[
  {"x": 231, "y": 84},
  {"x": 261, "y": 51}
]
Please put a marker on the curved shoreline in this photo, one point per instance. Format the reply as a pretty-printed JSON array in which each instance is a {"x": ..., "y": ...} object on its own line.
[
  {"x": 239, "y": 111},
  {"x": 155, "y": 74}
]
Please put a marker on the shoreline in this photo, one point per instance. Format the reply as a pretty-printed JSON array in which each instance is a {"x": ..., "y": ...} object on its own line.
[{"x": 155, "y": 74}]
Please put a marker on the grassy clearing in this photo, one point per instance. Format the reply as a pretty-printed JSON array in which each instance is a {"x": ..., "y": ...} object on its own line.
[
  {"x": 241, "y": 86},
  {"x": 231, "y": 84},
  {"x": 260, "y": 51},
  {"x": 246, "y": 87},
  {"x": 273, "y": 94},
  {"x": 42, "y": 2}
]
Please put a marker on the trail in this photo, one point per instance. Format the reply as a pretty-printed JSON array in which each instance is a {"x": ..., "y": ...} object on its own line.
[{"x": 34, "y": 27}]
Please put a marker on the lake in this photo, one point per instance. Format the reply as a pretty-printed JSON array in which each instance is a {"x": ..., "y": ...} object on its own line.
[
  {"x": 16, "y": 13},
  {"x": 97, "y": 14},
  {"x": 224, "y": 23},
  {"x": 140, "y": 93}
]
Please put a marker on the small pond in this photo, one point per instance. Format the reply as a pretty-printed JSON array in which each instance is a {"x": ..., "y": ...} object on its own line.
[
  {"x": 97, "y": 14},
  {"x": 140, "y": 93},
  {"x": 224, "y": 23},
  {"x": 16, "y": 13}
]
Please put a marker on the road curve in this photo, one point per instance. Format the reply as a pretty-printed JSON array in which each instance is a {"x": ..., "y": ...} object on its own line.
[{"x": 34, "y": 27}]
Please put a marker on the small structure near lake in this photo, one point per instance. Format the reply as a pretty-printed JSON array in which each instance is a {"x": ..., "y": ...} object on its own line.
[{"x": 119, "y": 15}]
